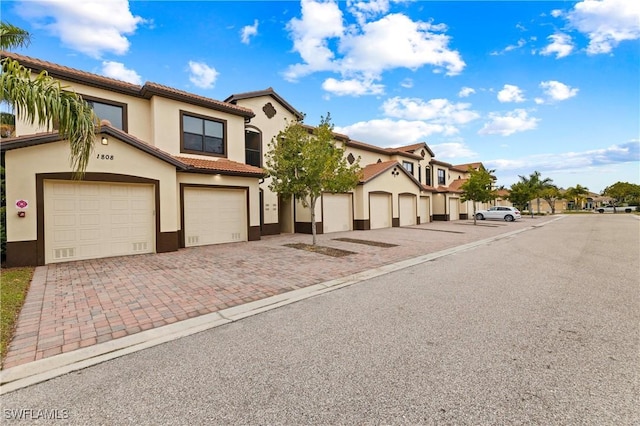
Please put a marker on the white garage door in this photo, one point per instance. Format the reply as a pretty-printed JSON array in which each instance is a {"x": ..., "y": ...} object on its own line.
[
  {"x": 453, "y": 209},
  {"x": 88, "y": 220},
  {"x": 380, "y": 211},
  {"x": 214, "y": 216},
  {"x": 337, "y": 213},
  {"x": 425, "y": 213},
  {"x": 407, "y": 210}
]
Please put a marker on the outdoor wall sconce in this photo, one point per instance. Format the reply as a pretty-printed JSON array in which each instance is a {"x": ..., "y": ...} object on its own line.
[
  {"x": 395, "y": 172},
  {"x": 105, "y": 141},
  {"x": 22, "y": 214}
]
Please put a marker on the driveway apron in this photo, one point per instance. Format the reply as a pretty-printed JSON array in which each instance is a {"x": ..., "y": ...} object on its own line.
[{"x": 78, "y": 304}]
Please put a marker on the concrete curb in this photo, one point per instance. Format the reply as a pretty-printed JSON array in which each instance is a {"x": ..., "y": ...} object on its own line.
[{"x": 45, "y": 369}]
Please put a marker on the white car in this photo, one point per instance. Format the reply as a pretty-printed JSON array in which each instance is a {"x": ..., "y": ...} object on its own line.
[{"x": 499, "y": 212}]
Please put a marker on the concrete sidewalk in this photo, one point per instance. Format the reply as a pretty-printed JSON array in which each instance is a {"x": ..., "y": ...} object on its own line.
[{"x": 82, "y": 310}]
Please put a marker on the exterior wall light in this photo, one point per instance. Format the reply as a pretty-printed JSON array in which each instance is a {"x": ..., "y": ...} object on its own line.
[{"x": 104, "y": 141}]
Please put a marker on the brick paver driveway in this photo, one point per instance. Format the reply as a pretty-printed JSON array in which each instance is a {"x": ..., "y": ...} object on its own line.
[{"x": 78, "y": 304}]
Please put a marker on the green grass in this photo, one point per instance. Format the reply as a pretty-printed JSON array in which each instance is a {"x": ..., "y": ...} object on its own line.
[{"x": 14, "y": 283}]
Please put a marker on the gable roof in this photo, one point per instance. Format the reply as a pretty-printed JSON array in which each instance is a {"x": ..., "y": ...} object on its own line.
[
  {"x": 416, "y": 146},
  {"x": 377, "y": 149},
  {"x": 146, "y": 91},
  {"x": 267, "y": 92},
  {"x": 371, "y": 171}
]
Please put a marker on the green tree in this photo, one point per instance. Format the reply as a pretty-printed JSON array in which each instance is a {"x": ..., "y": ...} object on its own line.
[
  {"x": 303, "y": 165},
  {"x": 623, "y": 192},
  {"x": 478, "y": 188},
  {"x": 520, "y": 194},
  {"x": 551, "y": 194},
  {"x": 43, "y": 100},
  {"x": 578, "y": 194}
]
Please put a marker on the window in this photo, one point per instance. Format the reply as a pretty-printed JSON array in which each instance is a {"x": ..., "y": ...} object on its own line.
[
  {"x": 427, "y": 175},
  {"x": 203, "y": 135},
  {"x": 252, "y": 152},
  {"x": 441, "y": 178},
  {"x": 114, "y": 112},
  {"x": 408, "y": 166},
  {"x": 419, "y": 174}
]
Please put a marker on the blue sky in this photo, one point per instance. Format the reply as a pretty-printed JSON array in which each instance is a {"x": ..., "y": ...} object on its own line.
[{"x": 520, "y": 86}]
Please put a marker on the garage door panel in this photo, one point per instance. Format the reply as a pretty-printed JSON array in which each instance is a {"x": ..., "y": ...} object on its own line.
[
  {"x": 407, "y": 210},
  {"x": 92, "y": 220},
  {"x": 214, "y": 216},
  {"x": 337, "y": 213},
  {"x": 380, "y": 211}
]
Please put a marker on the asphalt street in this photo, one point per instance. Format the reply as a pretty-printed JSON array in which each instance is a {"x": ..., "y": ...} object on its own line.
[{"x": 542, "y": 327}]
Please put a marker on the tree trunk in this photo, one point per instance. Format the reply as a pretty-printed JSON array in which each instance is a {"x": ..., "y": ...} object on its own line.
[
  {"x": 475, "y": 209},
  {"x": 312, "y": 204}
]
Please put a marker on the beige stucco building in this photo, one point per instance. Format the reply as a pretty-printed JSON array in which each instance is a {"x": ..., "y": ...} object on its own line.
[{"x": 171, "y": 169}]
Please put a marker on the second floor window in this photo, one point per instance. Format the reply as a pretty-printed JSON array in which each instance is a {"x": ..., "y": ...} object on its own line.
[
  {"x": 113, "y": 112},
  {"x": 202, "y": 135},
  {"x": 252, "y": 151},
  {"x": 441, "y": 178},
  {"x": 427, "y": 175},
  {"x": 408, "y": 166}
]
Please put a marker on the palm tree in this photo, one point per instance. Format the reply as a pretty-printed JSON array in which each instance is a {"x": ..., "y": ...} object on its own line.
[
  {"x": 44, "y": 100},
  {"x": 536, "y": 185},
  {"x": 577, "y": 194}
]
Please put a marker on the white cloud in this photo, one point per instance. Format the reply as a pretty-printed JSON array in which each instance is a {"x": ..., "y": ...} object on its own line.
[
  {"x": 556, "y": 13},
  {"x": 561, "y": 45},
  {"x": 365, "y": 50},
  {"x": 319, "y": 23},
  {"x": 118, "y": 71},
  {"x": 465, "y": 92},
  {"x": 434, "y": 110},
  {"x": 521, "y": 43},
  {"x": 512, "y": 122},
  {"x": 387, "y": 133},
  {"x": 407, "y": 83},
  {"x": 249, "y": 31},
  {"x": 352, "y": 87},
  {"x": 620, "y": 153},
  {"x": 606, "y": 22},
  {"x": 202, "y": 75},
  {"x": 452, "y": 150},
  {"x": 90, "y": 27},
  {"x": 557, "y": 91},
  {"x": 510, "y": 93},
  {"x": 395, "y": 41}
]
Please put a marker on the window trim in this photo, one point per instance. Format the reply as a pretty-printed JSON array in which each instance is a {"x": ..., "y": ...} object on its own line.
[
  {"x": 410, "y": 164},
  {"x": 444, "y": 177},
  {"x": 208, "y": 118},
  {"x": 427, "y": 175},
  {"x": 124, "y": 106},
  {"x": 253, "y": 129}
]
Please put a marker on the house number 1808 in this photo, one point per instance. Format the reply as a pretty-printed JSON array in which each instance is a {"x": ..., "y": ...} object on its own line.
[{"x": 104, "y": 157}]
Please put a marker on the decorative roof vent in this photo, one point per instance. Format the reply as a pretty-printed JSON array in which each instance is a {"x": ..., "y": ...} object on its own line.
[
  {"x": 351, "y": 158},
  {"x": 269, "y": 110}
]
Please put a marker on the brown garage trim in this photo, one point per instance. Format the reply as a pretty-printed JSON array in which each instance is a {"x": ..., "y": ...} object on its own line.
[
  {"x": 22, "y": 253},
  {"x": 270, "y": 229},
  {"x": 88, "y": 177},
  {"x": 252, "y": 234},
  {"x": 305, "y": 228},
  {"x": 362, "y": 224}
]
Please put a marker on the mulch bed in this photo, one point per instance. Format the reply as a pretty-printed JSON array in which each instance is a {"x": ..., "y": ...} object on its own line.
[
  {"x": 366, "y": 242},
  {"x": 329, "y": 251}
]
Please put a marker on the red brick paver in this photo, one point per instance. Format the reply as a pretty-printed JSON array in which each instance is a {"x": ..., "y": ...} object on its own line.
[{"x": 78, "y": 304}]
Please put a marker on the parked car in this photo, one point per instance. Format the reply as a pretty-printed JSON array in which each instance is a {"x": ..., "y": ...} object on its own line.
[
  {"x": 616, "y": 209},
  {"x": 499, "y": 212}
]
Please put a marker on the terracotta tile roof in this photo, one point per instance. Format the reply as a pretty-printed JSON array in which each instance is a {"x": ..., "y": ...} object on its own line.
[
  {"x": 429, "y": 188},
  {"x": 222, "y": 166},
  {"x": 465, "y": 167},
  {"x": 416, "y": 146},
  {"x": 147, "y": 91},
  {"x": 456, "y": 184},
  {"x": 387, "y": 151},
  {"x": 372, "y": 170}
]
